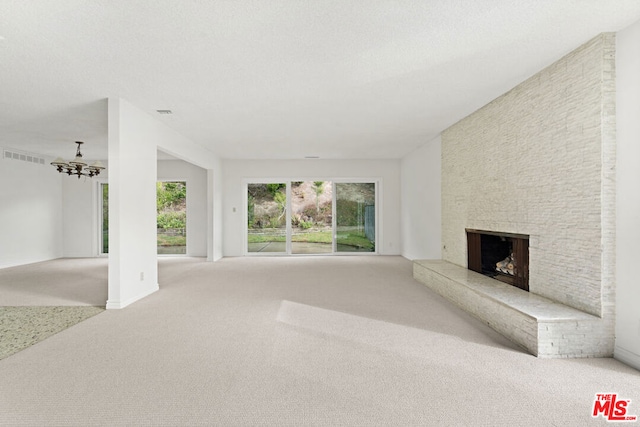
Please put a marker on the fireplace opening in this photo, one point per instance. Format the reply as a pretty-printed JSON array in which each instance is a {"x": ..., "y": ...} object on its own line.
[
  {"x": 502, "y": 256},
  {"x": 497, "y": 255}
]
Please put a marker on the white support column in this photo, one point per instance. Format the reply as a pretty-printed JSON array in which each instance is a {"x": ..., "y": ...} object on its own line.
[
  {"x": 210, "y": 216},
  {"x": 133, "y": 268},
  {"x": 214, "y": 212}
]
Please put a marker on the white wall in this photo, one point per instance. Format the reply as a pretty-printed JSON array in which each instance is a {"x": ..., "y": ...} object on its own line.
[
  {"x": 627, "y": 347},
  {"x": 420, "y": 182},
  {"x": 235, "y": 171},
  {"x": 196, "y": 179},
  {"x": 79, "y": 217},
  {"x": 30, "y": 212},
  {"x": 133, "y": 267}
]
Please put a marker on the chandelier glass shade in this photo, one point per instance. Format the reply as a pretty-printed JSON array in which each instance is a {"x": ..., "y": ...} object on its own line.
[{"x": 77, "y": 166}]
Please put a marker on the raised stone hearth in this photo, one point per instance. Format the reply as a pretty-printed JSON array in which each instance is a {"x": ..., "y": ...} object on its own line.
[{"x": 543, "y": 327}]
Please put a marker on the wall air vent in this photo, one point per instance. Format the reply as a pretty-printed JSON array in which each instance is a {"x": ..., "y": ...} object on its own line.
[{"x": 22, "y": 156}]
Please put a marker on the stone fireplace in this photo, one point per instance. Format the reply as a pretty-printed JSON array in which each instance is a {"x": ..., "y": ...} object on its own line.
[{"x": 539, "y": 161}]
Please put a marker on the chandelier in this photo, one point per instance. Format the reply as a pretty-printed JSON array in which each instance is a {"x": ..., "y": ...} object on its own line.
[{"x": 78, "y": 166}]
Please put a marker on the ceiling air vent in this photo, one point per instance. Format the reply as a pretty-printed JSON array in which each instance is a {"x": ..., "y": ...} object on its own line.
[{"x": 22, "y": 156}]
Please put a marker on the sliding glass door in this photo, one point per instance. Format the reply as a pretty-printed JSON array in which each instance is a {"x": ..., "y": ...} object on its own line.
[
  {"x": 311, "y": 217},
  {"x": 355, "y": 217},
  {"x": 266, "y": 217}
]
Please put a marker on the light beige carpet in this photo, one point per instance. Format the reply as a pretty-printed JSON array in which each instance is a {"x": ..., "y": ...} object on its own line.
[
  {"x": 322, "y": 341},
  {"x": 61, "y": 282}
]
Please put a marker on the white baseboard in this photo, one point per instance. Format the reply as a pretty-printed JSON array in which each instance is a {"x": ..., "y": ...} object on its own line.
[
  {"x": 123, "y": 304},
  {"x": 627, "y": 357}
]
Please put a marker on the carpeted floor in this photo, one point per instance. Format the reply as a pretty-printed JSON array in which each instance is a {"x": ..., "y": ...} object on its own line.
[
  {"x": 323, "y": 341},
  {"x": 39, "y": 300},
  {"x": 61, "y": 282},
  {"x": 21, "y": 327}
]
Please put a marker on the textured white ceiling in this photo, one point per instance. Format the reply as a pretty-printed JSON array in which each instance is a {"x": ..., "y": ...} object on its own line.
[{"x": 277, "y": 79}]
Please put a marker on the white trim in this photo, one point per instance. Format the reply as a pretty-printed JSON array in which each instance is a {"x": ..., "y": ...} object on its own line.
[
  {"x": 111, "y": 305},
  {"x": 627, "y": 357}
]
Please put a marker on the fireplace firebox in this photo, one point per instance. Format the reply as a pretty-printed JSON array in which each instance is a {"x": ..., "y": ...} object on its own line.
[{"x": 502, "y": 256}]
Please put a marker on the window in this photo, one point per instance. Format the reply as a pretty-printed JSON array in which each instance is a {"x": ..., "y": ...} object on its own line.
[{"x": 311, "y": 217}]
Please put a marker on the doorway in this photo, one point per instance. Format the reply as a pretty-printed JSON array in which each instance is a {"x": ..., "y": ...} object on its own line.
[{"x": 171, "y": 220}]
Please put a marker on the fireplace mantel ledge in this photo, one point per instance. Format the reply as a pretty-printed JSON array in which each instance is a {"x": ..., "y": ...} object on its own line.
[{"x": 545, "y": 328}]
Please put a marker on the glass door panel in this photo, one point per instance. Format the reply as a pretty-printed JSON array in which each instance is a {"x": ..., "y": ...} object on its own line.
[
  {"x": 355, "y": 217},
  {"x": 172, "y": 217},
  {"x": 311, "y": 213},
  {"x": 266, "y": 218}
]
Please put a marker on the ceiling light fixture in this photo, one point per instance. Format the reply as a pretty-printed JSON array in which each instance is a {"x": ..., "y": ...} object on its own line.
[
  {"x": 164, "y": 111},
  {"x": 78, "y": 166},
  {"x": 311, "y": 157}
]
